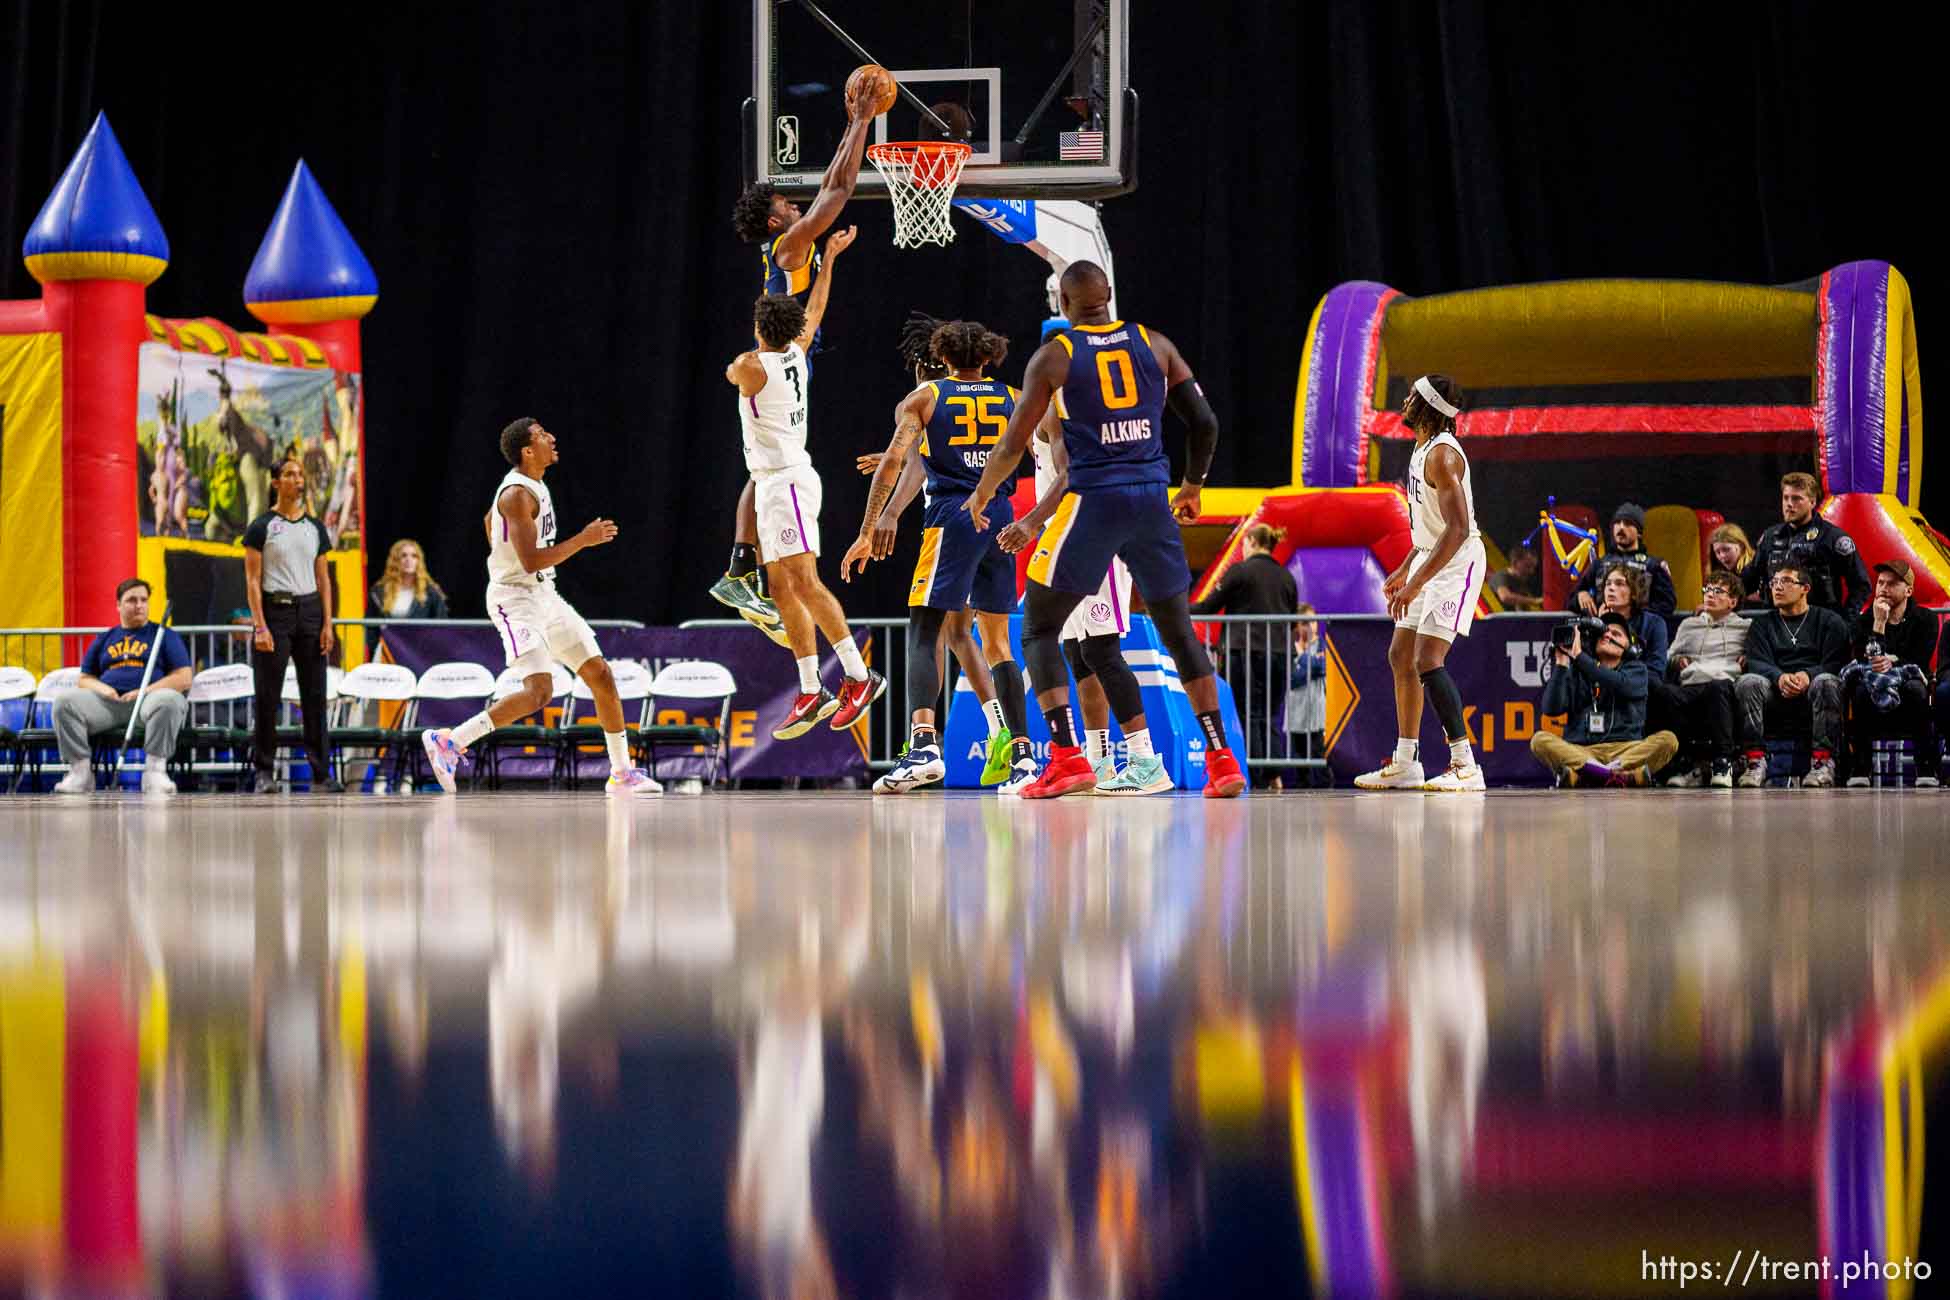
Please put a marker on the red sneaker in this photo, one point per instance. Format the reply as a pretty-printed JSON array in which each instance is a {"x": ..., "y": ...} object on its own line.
[
  {"x": 1223, "y": 779},
  {"x": 856, "y": 696},
  {"x": 1068, "y": 772},
  {"x": 806, "y": 711}
]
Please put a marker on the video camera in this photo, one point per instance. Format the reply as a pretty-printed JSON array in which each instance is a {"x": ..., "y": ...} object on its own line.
[{"x": 1564, "y": 633}]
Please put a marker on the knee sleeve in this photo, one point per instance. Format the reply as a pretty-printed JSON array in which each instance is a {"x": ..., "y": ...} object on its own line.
[
  {"x": 1043, "y": 615},
  {"x": 1106, "y": 662},
  {"x": 1173, "y": 619},
  {"x": 1073, "y": 651},
  {"x": 1440, "y": 688},
  {"x": 923, "y": 668}
]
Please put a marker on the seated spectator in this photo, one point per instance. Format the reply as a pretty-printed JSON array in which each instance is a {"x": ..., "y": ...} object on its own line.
[
  {"x": 1256, "y": 584},
  {"x": 103, "y": 697},
  {"x": 1306, "y": 702},
  {"x": 1795, "y": 655},
  {"x": 1729, "y": 551},
  {"x": 1708, "y": 656},
  {"x": 1601, "y": 696},
  {"x": 1887, "y": 683},
  {"x": 1821, "y": 551},
  {"x": 1628, "y": 551},
  {"x": 406, "y": 590},
  {"x": 1940, "y": 715},
  {"x": 1623, "y": 593},
  {"x": 1519, "y": 586}
]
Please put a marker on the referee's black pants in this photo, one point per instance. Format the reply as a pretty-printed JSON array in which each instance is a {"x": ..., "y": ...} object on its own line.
[{"x": 295, "y": 624}]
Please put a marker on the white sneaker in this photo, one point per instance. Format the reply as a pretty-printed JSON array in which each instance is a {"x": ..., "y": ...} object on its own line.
[
  {"x": 79, "y": 780},
  {"x": 443, "y": 756},
  {"x": 1821, "y": 776},
  {"x": 1858, "y": 783},
  {"x": 688, "y": 785},
  {"x": 1457, "y": 780},
  {"x": 156, "y": 781},
  {"x": 1691, "y": 778},
  {"x": 1394, "y": 776},
  {"x": 1753, "y": 774},
  {"x": 1021, "y": 777},
  {"x": 919, "y": 767},
  {"x": 636, "y": 781}
]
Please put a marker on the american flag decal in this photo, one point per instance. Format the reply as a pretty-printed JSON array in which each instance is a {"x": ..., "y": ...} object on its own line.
[{"x": 1084, "y": 146}]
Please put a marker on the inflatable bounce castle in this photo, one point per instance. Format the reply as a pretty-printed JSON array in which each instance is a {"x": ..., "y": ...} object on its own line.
[
  {"x": 1690, "y": 398},
  {"x": 133, "y": 444}
]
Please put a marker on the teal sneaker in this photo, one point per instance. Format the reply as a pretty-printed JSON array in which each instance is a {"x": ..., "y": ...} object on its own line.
[
  {"x": 1145, "y": 775},
  {"x": 1106, "y": 769},
  {"x": 739, "y": 594},
  {"x": 1001, "y": 756}
]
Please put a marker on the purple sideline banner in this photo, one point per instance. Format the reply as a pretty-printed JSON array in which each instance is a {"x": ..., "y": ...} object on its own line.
[
  {"x": 1498, "y": 668},
  {"x": 767, "y": 684}
]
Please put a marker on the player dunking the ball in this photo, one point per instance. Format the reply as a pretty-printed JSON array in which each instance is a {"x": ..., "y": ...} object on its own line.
[
  {"x": 1432, "y": 595},
  {"x": 789, "y": 260},
  {"x": 1112, "y": 381},
  {"x": 773, "y": 382},
  {"x": 535, "y": 623}
]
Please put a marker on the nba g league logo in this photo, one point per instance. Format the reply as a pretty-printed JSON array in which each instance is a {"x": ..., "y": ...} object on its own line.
[{"x": 785, "y": 141}]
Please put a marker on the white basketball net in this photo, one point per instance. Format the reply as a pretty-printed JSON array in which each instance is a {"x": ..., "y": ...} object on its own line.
[{"x": 921, "y": 180}]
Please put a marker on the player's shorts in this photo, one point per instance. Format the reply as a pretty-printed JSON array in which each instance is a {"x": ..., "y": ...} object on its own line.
[
  {"x": 787, "y": 504},
  {"x": 538, "y": 626},
  {"x": 1447, "y": 605},
  {"x": 1108, "y": 612},
  {"x": 959, "y": 566},
  {"x": 1131, "y": 522}
]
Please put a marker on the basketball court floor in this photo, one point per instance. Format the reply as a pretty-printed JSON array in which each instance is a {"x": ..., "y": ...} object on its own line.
[{"x": 517, "y": 1044}]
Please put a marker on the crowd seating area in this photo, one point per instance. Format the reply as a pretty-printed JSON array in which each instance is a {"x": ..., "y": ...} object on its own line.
[{"x": 375, "y": 725}]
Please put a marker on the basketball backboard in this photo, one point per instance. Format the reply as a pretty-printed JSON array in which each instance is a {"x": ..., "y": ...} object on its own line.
[{"x": 1038, "y": 88}]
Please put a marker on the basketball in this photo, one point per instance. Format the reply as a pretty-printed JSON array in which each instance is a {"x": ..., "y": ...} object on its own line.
[{"x": 882, "y": 82}]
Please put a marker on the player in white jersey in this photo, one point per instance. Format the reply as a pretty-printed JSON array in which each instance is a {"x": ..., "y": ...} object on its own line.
[
  {"x": 1432, "y": 594},
  {"x": 1106, "y": 614},
  {"x": 536, "y": 624},
  {"x": 773, "y": 381}
]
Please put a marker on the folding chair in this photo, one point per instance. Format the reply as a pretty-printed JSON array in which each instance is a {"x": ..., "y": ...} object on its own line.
[
  {"x": 212, "y": 726},
  {"x": 36, "y": 740},
  {"x": 290, "y": 735},
  {"x": 16, "y": 708},
  {"x": 540, "y": 735},
  {"x": 632, "y": 679},
  {"x": 453, "y": 680},
  {"x": 692, "y": 679},
  {"x": 373, "y": 686}
]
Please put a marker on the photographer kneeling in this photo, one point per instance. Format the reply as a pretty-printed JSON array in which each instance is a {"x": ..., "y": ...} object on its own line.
[{"x": 1602, "y": 697}]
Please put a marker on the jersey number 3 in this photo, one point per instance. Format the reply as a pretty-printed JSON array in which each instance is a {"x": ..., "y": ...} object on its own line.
[
  {"x": 1117, "y": 379},
  {"x": 792, "y": 373},
  {"x": 976, "y": 413}
]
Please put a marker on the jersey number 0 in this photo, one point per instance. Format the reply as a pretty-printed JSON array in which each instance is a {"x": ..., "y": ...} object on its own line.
[{"x": 1117, "y": 380}]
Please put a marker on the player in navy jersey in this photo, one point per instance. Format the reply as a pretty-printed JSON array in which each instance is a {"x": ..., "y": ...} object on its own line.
[
  {"x": 951, "y": 424},
  {"x": 1111, "y": 381},
  {"x": 788, "y": 261}
]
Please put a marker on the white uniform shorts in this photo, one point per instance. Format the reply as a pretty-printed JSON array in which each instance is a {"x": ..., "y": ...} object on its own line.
[
  {"x": 1108, "y": 612},
  {"x": 1447, "y": 604},
  {"x": 536, "y": 626},
  {"x": 787, "y": 503}
]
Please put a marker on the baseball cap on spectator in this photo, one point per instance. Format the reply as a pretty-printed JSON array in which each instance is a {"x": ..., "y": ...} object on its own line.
[
  {"x": 1897, "y": 569},
  {"x": 1632, "y": 513}
]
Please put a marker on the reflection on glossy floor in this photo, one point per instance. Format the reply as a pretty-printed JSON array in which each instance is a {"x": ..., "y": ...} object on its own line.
[{"x": 827, "y": 1045}]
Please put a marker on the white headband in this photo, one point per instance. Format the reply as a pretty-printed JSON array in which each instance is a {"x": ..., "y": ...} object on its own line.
[{"x": 1435, "y": 399}]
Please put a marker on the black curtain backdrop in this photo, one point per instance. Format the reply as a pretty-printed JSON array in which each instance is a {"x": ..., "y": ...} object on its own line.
[{"x": 543, "y": 189}]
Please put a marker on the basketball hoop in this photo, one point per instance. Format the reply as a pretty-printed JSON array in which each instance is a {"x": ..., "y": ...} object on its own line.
[{"x": 921, "y": 177}]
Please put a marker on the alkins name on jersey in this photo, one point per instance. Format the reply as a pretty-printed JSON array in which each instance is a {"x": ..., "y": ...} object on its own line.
[{"x": 1124, "y": 431}]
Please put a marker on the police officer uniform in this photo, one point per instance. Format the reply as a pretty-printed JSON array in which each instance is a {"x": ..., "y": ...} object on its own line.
[{"x": 1836, "y": 576}]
